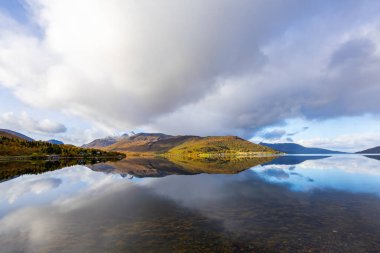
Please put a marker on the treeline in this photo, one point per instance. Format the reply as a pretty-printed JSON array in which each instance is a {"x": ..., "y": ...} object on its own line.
[
  {"x": 16, "y": 147},
  {"x": 219, "y": 145}
]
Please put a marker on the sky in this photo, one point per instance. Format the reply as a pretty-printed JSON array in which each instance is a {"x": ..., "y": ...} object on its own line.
[{"x": 265, "y": 70}]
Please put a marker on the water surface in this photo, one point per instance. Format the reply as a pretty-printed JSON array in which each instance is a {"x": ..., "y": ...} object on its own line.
[{"x": 289, "y": 204}]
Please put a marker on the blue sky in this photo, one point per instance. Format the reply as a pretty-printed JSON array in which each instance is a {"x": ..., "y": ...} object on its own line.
[
  {"x": 302, "y": 71},
  {"x": 15, "y": 8}
]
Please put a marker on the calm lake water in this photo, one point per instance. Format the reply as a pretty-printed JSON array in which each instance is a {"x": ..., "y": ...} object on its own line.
[{"x": 289, "y": 204}]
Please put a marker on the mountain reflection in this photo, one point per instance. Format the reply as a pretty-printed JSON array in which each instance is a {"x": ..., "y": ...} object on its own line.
[{"x": 159, "y": 167}]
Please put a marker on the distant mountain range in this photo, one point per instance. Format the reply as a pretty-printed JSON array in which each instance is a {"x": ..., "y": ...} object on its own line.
[
  {"x": 293, "y": 148},
  {"x": 158, "y": 143},
  {"x": 375, "y": 150},
  {"x": 52, "y": 141}
]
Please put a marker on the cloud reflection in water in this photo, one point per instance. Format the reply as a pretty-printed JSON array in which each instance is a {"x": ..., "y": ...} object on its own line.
[{"x": 106, "y": 212}]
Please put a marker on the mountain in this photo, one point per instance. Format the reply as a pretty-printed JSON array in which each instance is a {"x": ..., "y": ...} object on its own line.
[
  {"x": 232, "y": 145},
  {"x": 148, "y": 143},
  {"x": 107, "y": 141},
  {"x": 99, "y": 143},
  {"x": 159, "y": 143},
  {"x": 293, "y": 148},
  {"x": 375, "y": 150},
  {"x": 13, "y": 134},
  {"x": 129, "y": 134},
  {"x": 52, "y": 141}
]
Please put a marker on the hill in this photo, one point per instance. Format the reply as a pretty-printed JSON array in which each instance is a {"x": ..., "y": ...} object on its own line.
[
  {"x": 226, "y": 145},
  {"x": 293, "y": 148},
  {"x": 375, "y": 150},
  {"x": 13, "y": 134}
]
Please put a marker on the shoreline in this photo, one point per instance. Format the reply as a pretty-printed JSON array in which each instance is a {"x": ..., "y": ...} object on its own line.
[{"x": 53, "y": 157}]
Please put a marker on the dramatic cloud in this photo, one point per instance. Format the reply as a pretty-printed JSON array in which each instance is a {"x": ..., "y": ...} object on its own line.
[
  {"x": 24, "y": 122},
  {"x": 200, "y": 67}
]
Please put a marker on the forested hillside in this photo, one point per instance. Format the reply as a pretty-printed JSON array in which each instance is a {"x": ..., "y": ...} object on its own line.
[{"x": 19, "y": 147}]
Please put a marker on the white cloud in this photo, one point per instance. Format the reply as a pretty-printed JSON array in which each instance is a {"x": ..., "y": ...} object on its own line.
[
  {"x": 24, "y": 122},
  {"x": 200, "y": 67},
  {"x": 357, "y": 165},
  {"x": 348, "y": 142}
]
